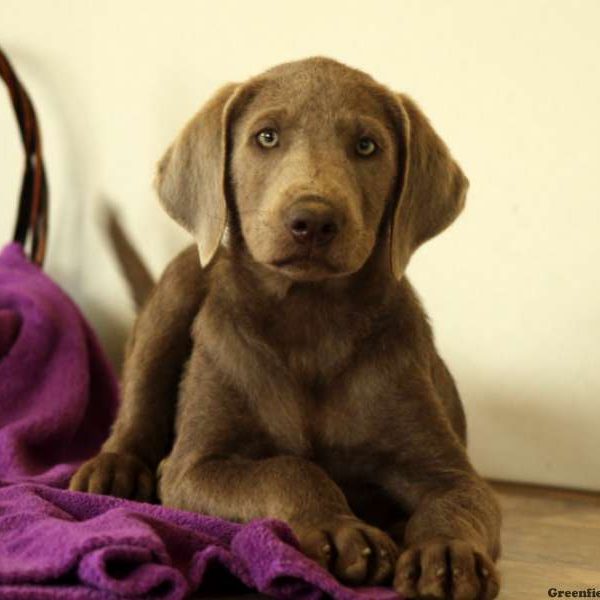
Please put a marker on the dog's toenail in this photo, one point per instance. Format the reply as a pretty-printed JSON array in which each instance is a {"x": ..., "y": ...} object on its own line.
[
  {"x": 326, "y": 549},
  {"x": 367, "y": 552},
  {"x": 440, "y": 572},
  {"x": 484, "y": 572},
  {"x": 355, "y": 568},
  {"x": 384, "y": 554},
  {"x": 456, "y": 571}
]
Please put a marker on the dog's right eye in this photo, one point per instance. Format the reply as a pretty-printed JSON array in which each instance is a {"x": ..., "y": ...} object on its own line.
[{"x": 267, "y": 138}]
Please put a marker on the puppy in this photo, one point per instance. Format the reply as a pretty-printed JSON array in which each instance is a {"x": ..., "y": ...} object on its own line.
[{"x": 283, "y": 366}]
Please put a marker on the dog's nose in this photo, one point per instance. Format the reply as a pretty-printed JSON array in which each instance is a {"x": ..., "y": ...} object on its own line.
[{"x": 317, "y": 224}]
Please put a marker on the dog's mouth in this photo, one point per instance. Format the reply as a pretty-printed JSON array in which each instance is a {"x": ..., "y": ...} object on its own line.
[
  {"x": 303, "y": 266},
  {"x": 303, "y": 262}
]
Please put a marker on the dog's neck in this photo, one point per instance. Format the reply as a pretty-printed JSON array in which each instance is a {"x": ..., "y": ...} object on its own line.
[
  {"x": 315, "y": 328},
  {"x": 287, "y": 308}
]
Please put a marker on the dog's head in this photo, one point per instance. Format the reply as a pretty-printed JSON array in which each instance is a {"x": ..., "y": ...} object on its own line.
[{"x": 314, "y": 164}]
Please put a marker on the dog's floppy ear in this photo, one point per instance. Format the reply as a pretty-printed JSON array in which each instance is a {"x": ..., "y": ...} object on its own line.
[
  {"x": 433, "y": 187},
  {"x": 191, "y": 175}
]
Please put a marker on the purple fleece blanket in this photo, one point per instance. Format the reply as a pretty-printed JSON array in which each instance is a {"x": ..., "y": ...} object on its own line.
[{"x": 57, "y": 399}]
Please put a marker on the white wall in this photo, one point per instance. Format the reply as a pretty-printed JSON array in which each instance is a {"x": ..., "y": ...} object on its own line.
[{"x": 514, "y": 87}]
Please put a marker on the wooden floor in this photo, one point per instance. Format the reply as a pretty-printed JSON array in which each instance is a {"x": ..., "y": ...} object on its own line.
[{"x": 551, "y": 539}]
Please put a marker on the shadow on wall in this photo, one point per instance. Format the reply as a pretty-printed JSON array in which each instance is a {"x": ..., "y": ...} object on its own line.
[
  {"x": 112, "y": 330},
  {"x": 514, "y": 431}
]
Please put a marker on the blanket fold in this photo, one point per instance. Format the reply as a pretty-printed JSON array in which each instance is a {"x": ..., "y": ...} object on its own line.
[{"x": 58, "y": 396}]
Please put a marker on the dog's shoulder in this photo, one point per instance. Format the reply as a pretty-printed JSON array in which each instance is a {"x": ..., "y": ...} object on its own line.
[
  {"x": 179, "y": 293},
  {"x": 184, "y": 269}
]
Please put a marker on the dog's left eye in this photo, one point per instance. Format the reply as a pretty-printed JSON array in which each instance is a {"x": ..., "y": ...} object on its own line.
[
  {"x": 267, "y": 138},
  {"x": 365, "y": 146}
]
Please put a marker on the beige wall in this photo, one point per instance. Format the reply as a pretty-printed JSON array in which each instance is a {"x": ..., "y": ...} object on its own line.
[{"x": 514, "y": 87}]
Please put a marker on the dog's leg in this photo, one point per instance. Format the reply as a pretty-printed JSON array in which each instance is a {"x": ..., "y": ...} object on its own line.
[
  {"x": 157, "y": 349},
  {"x": 452, "y": 536},
  {"x": 288, "y": 488},
  {"x": 449, "y": 544}
]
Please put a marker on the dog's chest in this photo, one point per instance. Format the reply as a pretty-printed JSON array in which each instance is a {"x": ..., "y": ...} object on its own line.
[
  {"x": 306, "y": 381},
  {"x": 332, "y": 420},
  {"x": 312, "y": 362}
]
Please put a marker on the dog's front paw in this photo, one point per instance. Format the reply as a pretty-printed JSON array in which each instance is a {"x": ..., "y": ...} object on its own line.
[
  {"x": 356, "y": 553},
  {"x": 452, "y": 570},
  {"x": 121, "y": 475}
]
